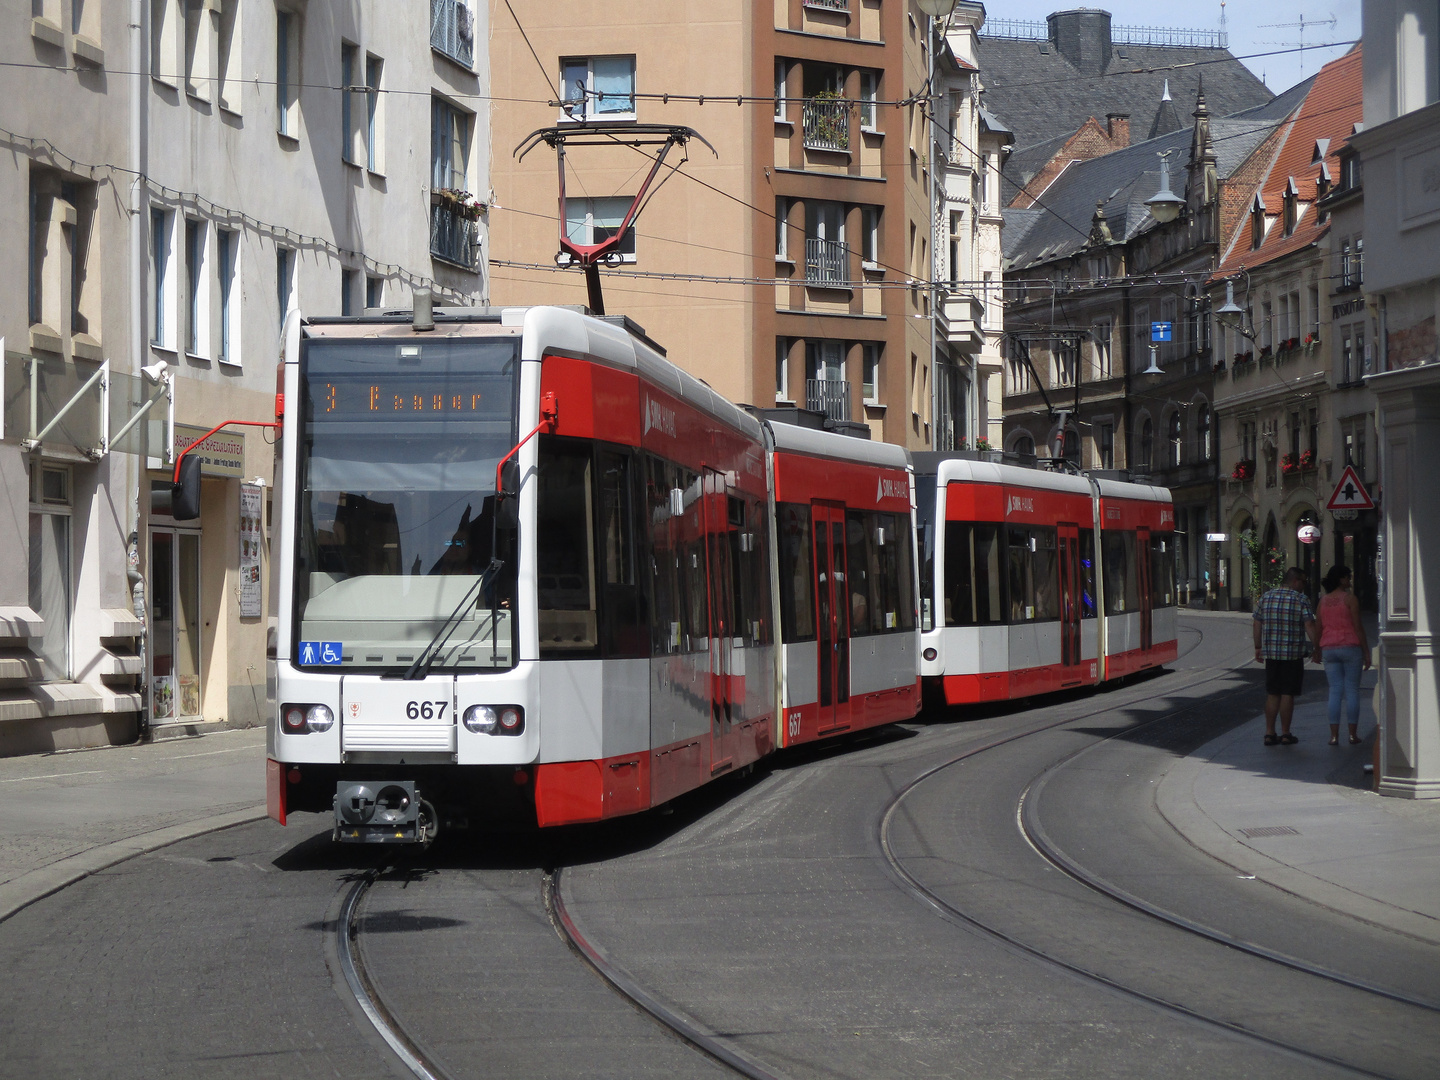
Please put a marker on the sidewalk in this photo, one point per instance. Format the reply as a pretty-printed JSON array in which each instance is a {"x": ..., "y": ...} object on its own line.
[
  {"x": 1304, "y": 818},
  {"x": 64, "y": 816}
]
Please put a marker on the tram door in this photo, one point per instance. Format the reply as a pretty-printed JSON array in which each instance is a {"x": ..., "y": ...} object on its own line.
[
  {"x": 1147, "y": 585},
  {"x": 720, "y": 601},
  {"x": 832, "y": 622},
  {"x": 1070, "y": 585}
]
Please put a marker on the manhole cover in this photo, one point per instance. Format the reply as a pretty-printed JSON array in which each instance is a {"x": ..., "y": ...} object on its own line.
[{"x": 1270, "y": 830}]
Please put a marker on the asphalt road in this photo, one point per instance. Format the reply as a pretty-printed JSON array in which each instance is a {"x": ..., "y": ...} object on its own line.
[{"x": 772, "y": 910}]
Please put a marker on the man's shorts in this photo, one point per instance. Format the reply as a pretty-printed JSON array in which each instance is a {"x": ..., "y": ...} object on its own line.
[{"x": 1284, "y": 677}]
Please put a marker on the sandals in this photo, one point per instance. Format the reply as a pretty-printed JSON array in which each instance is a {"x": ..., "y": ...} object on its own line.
[
  {"x": 1272, "y": 739},
  {"x": 1288, "y": 740}
]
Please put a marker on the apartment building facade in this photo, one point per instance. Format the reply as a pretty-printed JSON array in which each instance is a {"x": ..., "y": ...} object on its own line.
[
  {"x": 794, "y": 265},
  {"x": 180, "y": 187},
  {"x": 1399, "y": 153}
]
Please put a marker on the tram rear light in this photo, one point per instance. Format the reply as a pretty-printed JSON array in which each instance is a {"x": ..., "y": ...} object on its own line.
[
  {"x": 293, "y": 776},
  {"x": 930, "y": 654},
  {"x": 494, "y": 719},
  {"x": 293, "y": 717}
]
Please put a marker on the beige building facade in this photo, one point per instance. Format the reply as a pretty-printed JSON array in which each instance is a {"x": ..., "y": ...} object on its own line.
[
  {"x": 790, "y": 267},
  {"x": 182, "y": 176}
]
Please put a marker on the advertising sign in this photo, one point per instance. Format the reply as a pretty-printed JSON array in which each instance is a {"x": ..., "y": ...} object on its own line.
[{"x": 252, "y": 536}]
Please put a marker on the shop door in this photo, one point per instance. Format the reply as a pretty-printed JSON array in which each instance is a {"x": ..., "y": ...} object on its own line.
[
  {"x": 174, "y": 626},
  {"x": 1070, "y": 586},
  {"x": 1147, "y": 586},
  {"x": 720, "y": 595},
  {"x": 832, "y": 622}
]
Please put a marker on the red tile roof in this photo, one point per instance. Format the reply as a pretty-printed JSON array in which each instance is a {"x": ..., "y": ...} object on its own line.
[{"x": 1330, "y": 111}]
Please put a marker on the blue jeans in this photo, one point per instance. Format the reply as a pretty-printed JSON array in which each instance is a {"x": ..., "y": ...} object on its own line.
[{"x": 1342, "y": 671}]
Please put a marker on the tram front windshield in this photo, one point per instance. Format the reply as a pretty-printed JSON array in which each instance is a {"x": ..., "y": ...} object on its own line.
[{"x": 397, "y": 505}]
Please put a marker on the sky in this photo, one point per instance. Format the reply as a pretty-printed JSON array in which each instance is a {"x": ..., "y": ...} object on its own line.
[{"x": 1245, "y": 20}]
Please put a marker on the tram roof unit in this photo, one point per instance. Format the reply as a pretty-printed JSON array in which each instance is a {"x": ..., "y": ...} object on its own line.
[
  {"x": 827, "y": 444},
  {"x": 956, "y": 467}
]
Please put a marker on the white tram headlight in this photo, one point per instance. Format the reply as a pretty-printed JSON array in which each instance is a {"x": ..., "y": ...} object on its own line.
[
  {"x": 494, "y": 719},
  {"x": 319, "y": 718}
]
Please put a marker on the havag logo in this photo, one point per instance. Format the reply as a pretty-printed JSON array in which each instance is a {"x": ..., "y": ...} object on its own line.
[
  {"x": 659, "y": 418},
  {"x": 1019, "y": 503},
  {"x": 1167, "y": 515},
  {"x": 891, "y": 489}
]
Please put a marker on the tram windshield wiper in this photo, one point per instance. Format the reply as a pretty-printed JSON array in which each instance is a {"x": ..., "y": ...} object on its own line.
[{"x": 421, "y": 667}]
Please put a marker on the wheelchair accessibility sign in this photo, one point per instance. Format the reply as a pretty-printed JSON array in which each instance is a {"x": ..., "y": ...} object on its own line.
[{"x": 326, "y": 653}]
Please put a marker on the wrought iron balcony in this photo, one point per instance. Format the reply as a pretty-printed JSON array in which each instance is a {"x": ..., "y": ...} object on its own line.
[
  {"x": 454, "y": 237},
  {"x": 828, "y": 396},
  {"x": 452, "y": 30},
  {"x": 827, "y": 263},
  {"x": 827, "y": 124}
]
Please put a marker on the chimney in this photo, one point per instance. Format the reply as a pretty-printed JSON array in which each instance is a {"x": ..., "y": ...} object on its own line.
[
  {"x": 1083, "y": 38},
  {"x": 1117, "y": 126}
]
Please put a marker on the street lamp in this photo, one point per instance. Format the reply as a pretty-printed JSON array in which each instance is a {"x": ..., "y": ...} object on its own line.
[
  {"x": 1165, "y": 205},
  {"x": 1231, "y": 314},
  {"x": 936, "y": 9}
]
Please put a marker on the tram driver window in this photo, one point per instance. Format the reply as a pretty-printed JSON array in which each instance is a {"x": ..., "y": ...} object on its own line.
[{"x": 565, "y": 549}]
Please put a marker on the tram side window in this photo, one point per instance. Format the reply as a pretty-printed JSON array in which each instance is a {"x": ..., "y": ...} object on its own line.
[
  {"x": 1018, "y": 569},
  {"x": 624, "y": 614},
  {"x": 897, "y": 532},
  {"x": 565, "y": 549},
  {"x": 1162, "y": 569},
  {"x": 1087, "y": 575},
  {"x": 1044, "y": 573},
  {"x": 692, "y": 561},
  {"x": 1122, "y": 577},
  {"x": 797, "y": 596},
  {"x": 863, "y": 571},
  {"x": 973, "y": 576},
  {"x": 925, "y": 541},
  {"x": 748, "y": 550},
  {"x": 666, "y": 554}
]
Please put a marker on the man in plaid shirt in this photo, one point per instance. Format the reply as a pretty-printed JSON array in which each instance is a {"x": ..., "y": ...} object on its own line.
[{"x": 1285, "y": 634}]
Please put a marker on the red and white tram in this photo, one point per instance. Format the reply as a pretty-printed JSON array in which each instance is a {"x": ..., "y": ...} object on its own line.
[
  {"x": 1035, "y": 581},
  {"x": 527, "y": 571}
]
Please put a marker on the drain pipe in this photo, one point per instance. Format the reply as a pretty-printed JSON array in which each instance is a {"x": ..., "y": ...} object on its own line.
[{"x": 135, "y": 467}]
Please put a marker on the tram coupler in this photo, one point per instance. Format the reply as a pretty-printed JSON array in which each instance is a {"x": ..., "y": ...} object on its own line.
[{"x": 381, "y": 812}]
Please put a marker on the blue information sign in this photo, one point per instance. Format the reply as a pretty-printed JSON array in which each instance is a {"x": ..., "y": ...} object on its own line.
[{"x": 1161, "y": 331}]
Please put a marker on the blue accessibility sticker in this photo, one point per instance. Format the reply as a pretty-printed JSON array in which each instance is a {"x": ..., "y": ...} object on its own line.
[{"x": 321, "y": 652}]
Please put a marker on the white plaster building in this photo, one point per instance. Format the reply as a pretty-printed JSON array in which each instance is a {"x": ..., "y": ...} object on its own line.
[
  {"x": 971, "y": 143},
  {"x": 182, "y": 173},
  {"x": 1400, "y": 155}
]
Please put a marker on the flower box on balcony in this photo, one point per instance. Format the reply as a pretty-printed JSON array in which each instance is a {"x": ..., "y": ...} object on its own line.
[
  {"x": 460, "y": 203},
  {"x": 1244, "y": 470}
]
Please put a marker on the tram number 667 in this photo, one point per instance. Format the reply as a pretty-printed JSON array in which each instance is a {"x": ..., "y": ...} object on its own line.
[{"x": 425, "y": 710}]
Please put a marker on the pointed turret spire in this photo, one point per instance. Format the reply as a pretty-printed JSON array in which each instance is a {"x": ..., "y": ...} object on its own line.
[{"x": 1202, "y": 151}]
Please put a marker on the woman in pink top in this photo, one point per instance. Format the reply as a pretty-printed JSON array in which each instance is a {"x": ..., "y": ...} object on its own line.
[{"x": 1342, "y": 648}]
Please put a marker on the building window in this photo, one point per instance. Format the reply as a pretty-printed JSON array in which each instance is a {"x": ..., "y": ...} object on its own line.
[
  {"x": 782, "y": 72},
  {"x": 452, "y": 31},
  {"x": 598, "y": 88},
  {"x": 870, "y": 236},
  {"x": 164, "y": 42},
  {"x": 197, "y": 329},
  {"x": 1347, "y": 358},
  {"x": 869, "y": 94},
  {"x": 1176, "y": 440},
  {"x": 227, "y": 88},
  {"x": 870, "y": 377},
  {"x": 1147, "y": 444},
  {"x": 1019, "y": 366},
  {"x": 374, "y": 292},
  {"x": 826, "y": 390},
  {"x": 374, "y": 119},
  {"x": 1105, "y": 445},
  {"x": 782, "y": 369},
  {"x": 1066, "y": 357},
  {"x": 957, "y": 224},
  {"x": 162, "y": 279},
  {"x": 450, "y": 129},
  {"x": 1100, "y": 334},
  {"x": 349, "y": 286},
  {"x": 51, "y": 567},
  {"x": 1313, "y": 431},
  {"x": 227, "y": 263},
  {"x": 287, "y": 73},
  {"x": 593, "y": 221},
  {"x": 1203, "y": 438},
  {"x": 827, "y": 260},
  {"x": 284, "y": 280},
  {"x": 1295, "y": 435},
  {"x": 348, "y": 131},
  {"x": 197, "y": 49},
  {"x": 782, "y": 229}
]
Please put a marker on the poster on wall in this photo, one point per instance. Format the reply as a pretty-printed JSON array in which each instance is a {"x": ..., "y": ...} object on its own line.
[
  {"x": 252, "y": 506},
  {"x": 162, "y": 697}
]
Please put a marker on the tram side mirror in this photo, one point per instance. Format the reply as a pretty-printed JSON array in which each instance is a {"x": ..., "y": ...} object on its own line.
[
  {"x": 509, "y": 479},
  {"x": 185, "y": 496}
]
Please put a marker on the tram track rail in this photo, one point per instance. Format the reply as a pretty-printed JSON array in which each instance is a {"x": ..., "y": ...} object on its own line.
[{"x": 1027, "y": 821}]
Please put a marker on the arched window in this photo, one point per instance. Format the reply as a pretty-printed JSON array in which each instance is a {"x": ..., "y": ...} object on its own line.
[
  {"x": 1176, "y": 455},
  {"x": 1024, "y": 444},
  {"x": 1147, "y": 444}
]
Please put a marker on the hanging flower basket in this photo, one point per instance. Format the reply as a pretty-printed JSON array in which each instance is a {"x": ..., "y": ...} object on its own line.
[{"x": 460, "y": 203}]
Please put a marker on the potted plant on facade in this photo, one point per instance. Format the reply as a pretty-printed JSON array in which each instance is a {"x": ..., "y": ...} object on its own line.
[
  {"x": 1244, "y": 469},
  {"x": 1312, "y": 342},
  {"x": 1307, "y": 460},
  {"x": 1288, "y": 464},
  {"x": 460, "y": 203},
  {"x": 1265, "y": 352}
]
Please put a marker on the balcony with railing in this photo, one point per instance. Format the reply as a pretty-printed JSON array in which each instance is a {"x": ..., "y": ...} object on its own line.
[
  {"x": 827, "y": 263},
  {"x": 964, "y": 321},
  {"x": 828, "y": 396},
  {"x": 826, "y": 122},
  {"x": 829, "y": 5},
  {"x": 454, "y": 236},
  {"x": 452, "y": 30}
]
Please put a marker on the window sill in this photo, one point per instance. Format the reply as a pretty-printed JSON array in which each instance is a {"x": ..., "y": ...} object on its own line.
[
  {"x": 781, "y": 260},
  {"x": 86, "y": 51},
  {"x": 229, "y": 109},
  {"x": 158, "y": 347},
  {"x": 162, "y": 81},
  {"x": 199, "y": 358},
  {"x": 871, "y": 267},
  {"x": 290, "y": 142},
  {"x": 225, "y": 361},
  {"x": 376, "y": 174},
  {"x": 781, "y": 121},
  {"x": 42, "y": 29},
  {"x": 874, "y": 406}
]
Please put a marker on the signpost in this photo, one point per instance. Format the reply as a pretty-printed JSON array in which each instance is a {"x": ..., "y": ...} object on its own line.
[{"x": 1350, "y": 493}]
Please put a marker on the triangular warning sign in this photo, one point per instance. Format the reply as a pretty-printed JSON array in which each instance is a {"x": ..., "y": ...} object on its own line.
[{"x": 1350, "y": 493}]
